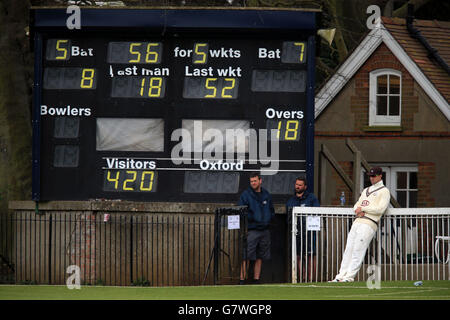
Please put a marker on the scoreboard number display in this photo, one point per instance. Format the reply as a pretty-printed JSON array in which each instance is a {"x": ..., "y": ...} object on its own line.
[
  {"x": 130, "y": 181},
  {"x": 153, "y": 105},
  {"x": 286, "y": 130},
  {"x": 70, "y": 78},
  {"x": 134, "y": 52},
  {"x": 210, "y": 88},
  {"x": 138, "y": 87}
]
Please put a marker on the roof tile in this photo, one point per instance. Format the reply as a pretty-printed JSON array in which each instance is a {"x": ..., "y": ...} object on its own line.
[{"x": 437, "y": 35}]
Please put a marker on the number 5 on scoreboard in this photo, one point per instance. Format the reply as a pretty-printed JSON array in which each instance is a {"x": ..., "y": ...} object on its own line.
[
  {"x": 208, "y": 86},
  {"x": 61, "y": 50},
  {"x": 200, "y": 53},
  {"x": 137, "y": 53}
]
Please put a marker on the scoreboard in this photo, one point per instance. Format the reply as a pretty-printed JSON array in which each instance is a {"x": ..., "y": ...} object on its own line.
[{"x": 172, "y": 104}]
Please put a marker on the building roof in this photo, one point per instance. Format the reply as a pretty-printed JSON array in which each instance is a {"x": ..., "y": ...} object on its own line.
[
  {"x": 433, "y": 79},
  {"x": 437, "y": 33}
]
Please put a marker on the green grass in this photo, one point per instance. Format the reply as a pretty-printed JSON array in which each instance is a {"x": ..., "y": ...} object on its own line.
[{"x": 393, "y": 290}]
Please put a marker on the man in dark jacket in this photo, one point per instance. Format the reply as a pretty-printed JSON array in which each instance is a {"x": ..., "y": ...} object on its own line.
[
  {"x": 260, "y": 213},
  {"x": 306, "y": 242}
]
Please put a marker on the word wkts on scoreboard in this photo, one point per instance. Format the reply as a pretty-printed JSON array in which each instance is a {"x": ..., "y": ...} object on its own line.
[{"x": 172, "y": 117}]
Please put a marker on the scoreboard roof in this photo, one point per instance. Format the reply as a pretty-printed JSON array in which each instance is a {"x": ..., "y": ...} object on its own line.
[{"x": 173, "y": 19}]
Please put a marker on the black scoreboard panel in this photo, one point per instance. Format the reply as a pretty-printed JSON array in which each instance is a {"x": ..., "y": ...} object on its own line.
[{"x": 171, "y": 118}]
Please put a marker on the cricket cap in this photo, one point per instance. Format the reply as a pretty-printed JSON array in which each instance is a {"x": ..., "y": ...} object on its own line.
[{"x": 375, "y": 171}]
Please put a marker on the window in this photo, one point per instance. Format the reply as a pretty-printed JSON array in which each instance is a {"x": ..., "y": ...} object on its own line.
[
  {"x": 401, "y": 181},
  {"x": 385, "y": 97}
]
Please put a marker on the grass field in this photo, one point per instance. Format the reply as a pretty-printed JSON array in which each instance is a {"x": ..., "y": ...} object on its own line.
[{"x": 393, "y": 290}]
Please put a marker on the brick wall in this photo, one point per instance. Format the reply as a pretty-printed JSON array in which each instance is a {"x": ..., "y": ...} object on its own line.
[
  {"x": 425, "y": 177},
  {"x": 82, "y": 247}
]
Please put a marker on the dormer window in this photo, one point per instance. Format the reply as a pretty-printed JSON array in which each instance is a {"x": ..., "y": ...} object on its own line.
[{"x": 385, "y": 97}]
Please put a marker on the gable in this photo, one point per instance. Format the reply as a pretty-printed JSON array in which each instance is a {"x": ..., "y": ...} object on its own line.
[
  {"x": 348, "y": 112},
  {"x": 359, "y": 57}
]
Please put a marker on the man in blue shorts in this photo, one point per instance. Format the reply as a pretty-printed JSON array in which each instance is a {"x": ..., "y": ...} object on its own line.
[{"x": 260, "y": 213}]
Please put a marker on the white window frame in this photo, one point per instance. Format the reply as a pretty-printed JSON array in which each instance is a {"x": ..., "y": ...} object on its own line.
[
  {"x": 374, "y": 119},
  {"x": 391, "y": 177},
  {"x": 393, "y": 183}
]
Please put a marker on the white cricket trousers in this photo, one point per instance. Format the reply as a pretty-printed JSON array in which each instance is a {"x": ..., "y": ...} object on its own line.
[{"x": 358, "y": 241}]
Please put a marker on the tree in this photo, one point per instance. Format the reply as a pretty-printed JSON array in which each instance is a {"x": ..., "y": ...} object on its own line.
[
  {"x": 16, "y": 63},
  {"x": 15, "y": 102}
]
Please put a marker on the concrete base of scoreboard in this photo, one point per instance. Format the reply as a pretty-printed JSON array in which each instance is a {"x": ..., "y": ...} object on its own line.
[{"x": 166, "y": 243}]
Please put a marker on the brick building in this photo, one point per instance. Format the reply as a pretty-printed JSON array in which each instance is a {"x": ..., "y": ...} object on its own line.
[{"x": 390, "y": 97}]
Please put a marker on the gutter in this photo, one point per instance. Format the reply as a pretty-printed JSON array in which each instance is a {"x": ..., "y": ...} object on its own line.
[{"x": 415, "y": 33}]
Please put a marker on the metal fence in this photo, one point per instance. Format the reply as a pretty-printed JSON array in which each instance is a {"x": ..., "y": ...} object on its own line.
[
  {"x": 410, "y": 244},
  {"x": 117, "y": 249},
  {"x": 171, "y": 249},
  {"x": 7, "y": 267}
]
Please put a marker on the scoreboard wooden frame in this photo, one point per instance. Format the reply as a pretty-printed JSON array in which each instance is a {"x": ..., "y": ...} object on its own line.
[{"x": 137, "y": 104}]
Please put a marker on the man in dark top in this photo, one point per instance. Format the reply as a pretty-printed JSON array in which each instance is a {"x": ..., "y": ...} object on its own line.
[
  {"x": 260, "y": 213},
  {"x": 306, "y": 243}
]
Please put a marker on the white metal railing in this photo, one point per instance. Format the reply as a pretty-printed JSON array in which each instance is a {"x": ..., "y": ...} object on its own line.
[
  {"x": 436, "y": 247},
  {"x": 410, "y": 244}
]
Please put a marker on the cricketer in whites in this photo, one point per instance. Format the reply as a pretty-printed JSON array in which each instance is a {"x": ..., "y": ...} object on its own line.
[{"x": 371, "y": 205}]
